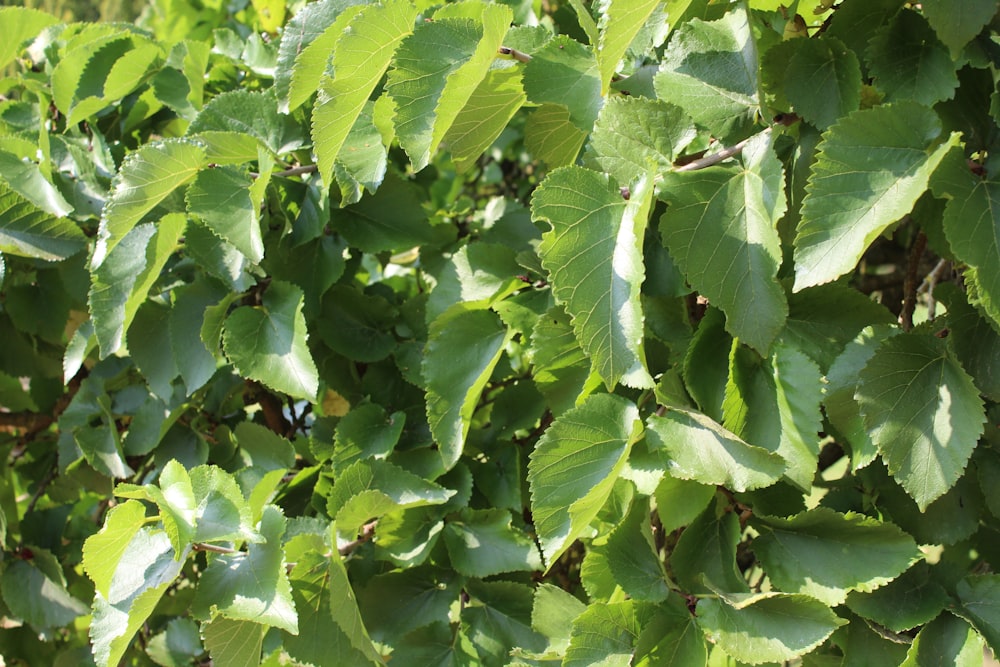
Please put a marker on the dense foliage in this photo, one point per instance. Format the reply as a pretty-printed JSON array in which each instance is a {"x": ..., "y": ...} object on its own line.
[{"x": 641, "y": 332}]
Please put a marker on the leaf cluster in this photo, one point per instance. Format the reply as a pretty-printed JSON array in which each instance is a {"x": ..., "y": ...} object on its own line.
[{"x": 507, "y": 334}]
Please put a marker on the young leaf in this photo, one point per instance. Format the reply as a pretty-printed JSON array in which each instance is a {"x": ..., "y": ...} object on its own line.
[
  {"x": 825, "y": 554},
  {"x": 267, "y": 343},
  {"x": 767, "y": 627},
  {"x": 593, "y": 256},
  {"x": 971, "y": 224},
  {"x": 552, "y": 137},
  {"x": 574, "y": 467},
  {"x": 365, "y": 432},
  {"x": 146, "y": 569},
  {"x": 28, "y": 231},
  {"x": 463, "y": 349},
  {"x": 121, "y": 283},
  {"x": 306, "y": 45},
  {"x": 709, "y": 69},
  {"x": 631, "y": 132},
  {"x": 632, "y": 557},
  {"x": 436, "y": 71},
  {"x": 923, "y": 413},
  {"x": 103, "y": 550},
  {"x": 145, "y": 179},
  {"x": 232, "y": 643},
  {"x": 620, "y": 23},
  {"x": 19, "y": 24},
  {"x": 484, "y": 116},
  {"x": 221, "y": 198},
  {"x": 721, "y": 228},
  {"x": 360, "y": 59},
  {"x": 872, "y": 166},
  {"x": 253, "y": 113},
  {"x": 696, "y": 448},
  {"x": 250, "y": 586},
  {"x": 565, "y": 73}
]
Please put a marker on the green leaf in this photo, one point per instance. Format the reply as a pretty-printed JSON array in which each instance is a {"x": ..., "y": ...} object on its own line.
[
  {"x": 146, "y": 569},
  {"x": 679, "y": 501},
  {"x": 976, "y": 343},
  {"x": 946, "y": 640},
  {"x": 149, "y": 336},
  {"x": 178, "y": 645},
  {"x": 561, "y": 367},
  {"x": 251, "y": 586},
  {"x": 704, "y": 559},
  {"x": 923, "y": 413},
  {"x": 631, "y": 132},
  {"x": 574, "y": 466},
  {"x": 908, "y": 62},
  {"x": 823, "y": 320},
  {"x": 19, "y": 24},
  {"x": 321, "y": 641},
  {"x": 565, "y": 73},
  {"x": 462, "y": 351},
  {"x": 552, "y": 137},
  {"x": 437, "y": 644},
  {"x": 909, "y": 600},
  {"x": 767, "y": 627},
  {"x": 632, "y": 559},
  {"x": 978, "y": 596},
  {"x": 27, "y": 179},
  {"x": 233, "y": 643},
  {"x": 593, "y": 255},
  {"x": 620, "y": 22},
  {"x": 478, "y": 275},
  {"x": 822, "y": 80},
  {"x": 482, "y": 543},
  {"x": 194, "y": 360},
  {"x": 267, "y": 343},
  {"x": 146, "y": 178},
  {"x": 485, "y": 115},
  {"x": 306, "y": 45},
  {"x": 871, "y": 168},
  {"x": 254, "y": 113},
  {"x": 696, "y": 448},
  {"x": 366, "y": 431},
  {"x": 28, "y": 231},
  {"x": 370, "y": 488},
  {"x": 498, "y": 619},
  {"x": 395, "y": 603},
  {"x": 671, "y": 639},
  {"x": 221, "y": 198},
  {"x": 34, "y": 597},
  {"x": 358, "y": 325},
  {"x": 721, "y": 228},
  {"x": 826, "y": 554},
  {"x": 709, "y": 69},
  {"x": 972, "y": 225},
  {"x": 436, "y": 71},
  {"x": 606, "y": 634},
  {"x": 121, "y": 283},
  {"x": 956, "y": 23},
  {"x": 553, "y": 613},
  {"x": 395, "y": 220},
  {"x": 360, "y": 59}
]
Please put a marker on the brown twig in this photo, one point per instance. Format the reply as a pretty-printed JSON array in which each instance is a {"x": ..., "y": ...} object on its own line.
[
  {"x": 910, "y": 284},
  {"x": 716, "y": 158},
  {"x": 519, "y": 56},
  {"x": 366, "y": 534},
  {"x": 215, "y": 549}
]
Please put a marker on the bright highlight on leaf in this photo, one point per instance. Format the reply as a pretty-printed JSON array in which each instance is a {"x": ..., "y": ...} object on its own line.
[
  {"x": 923, "y": 413},
  {"x": 593, "y": 256},
  {"x": 574, "y": 467},
  {"x": 871, "y": 168}
]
